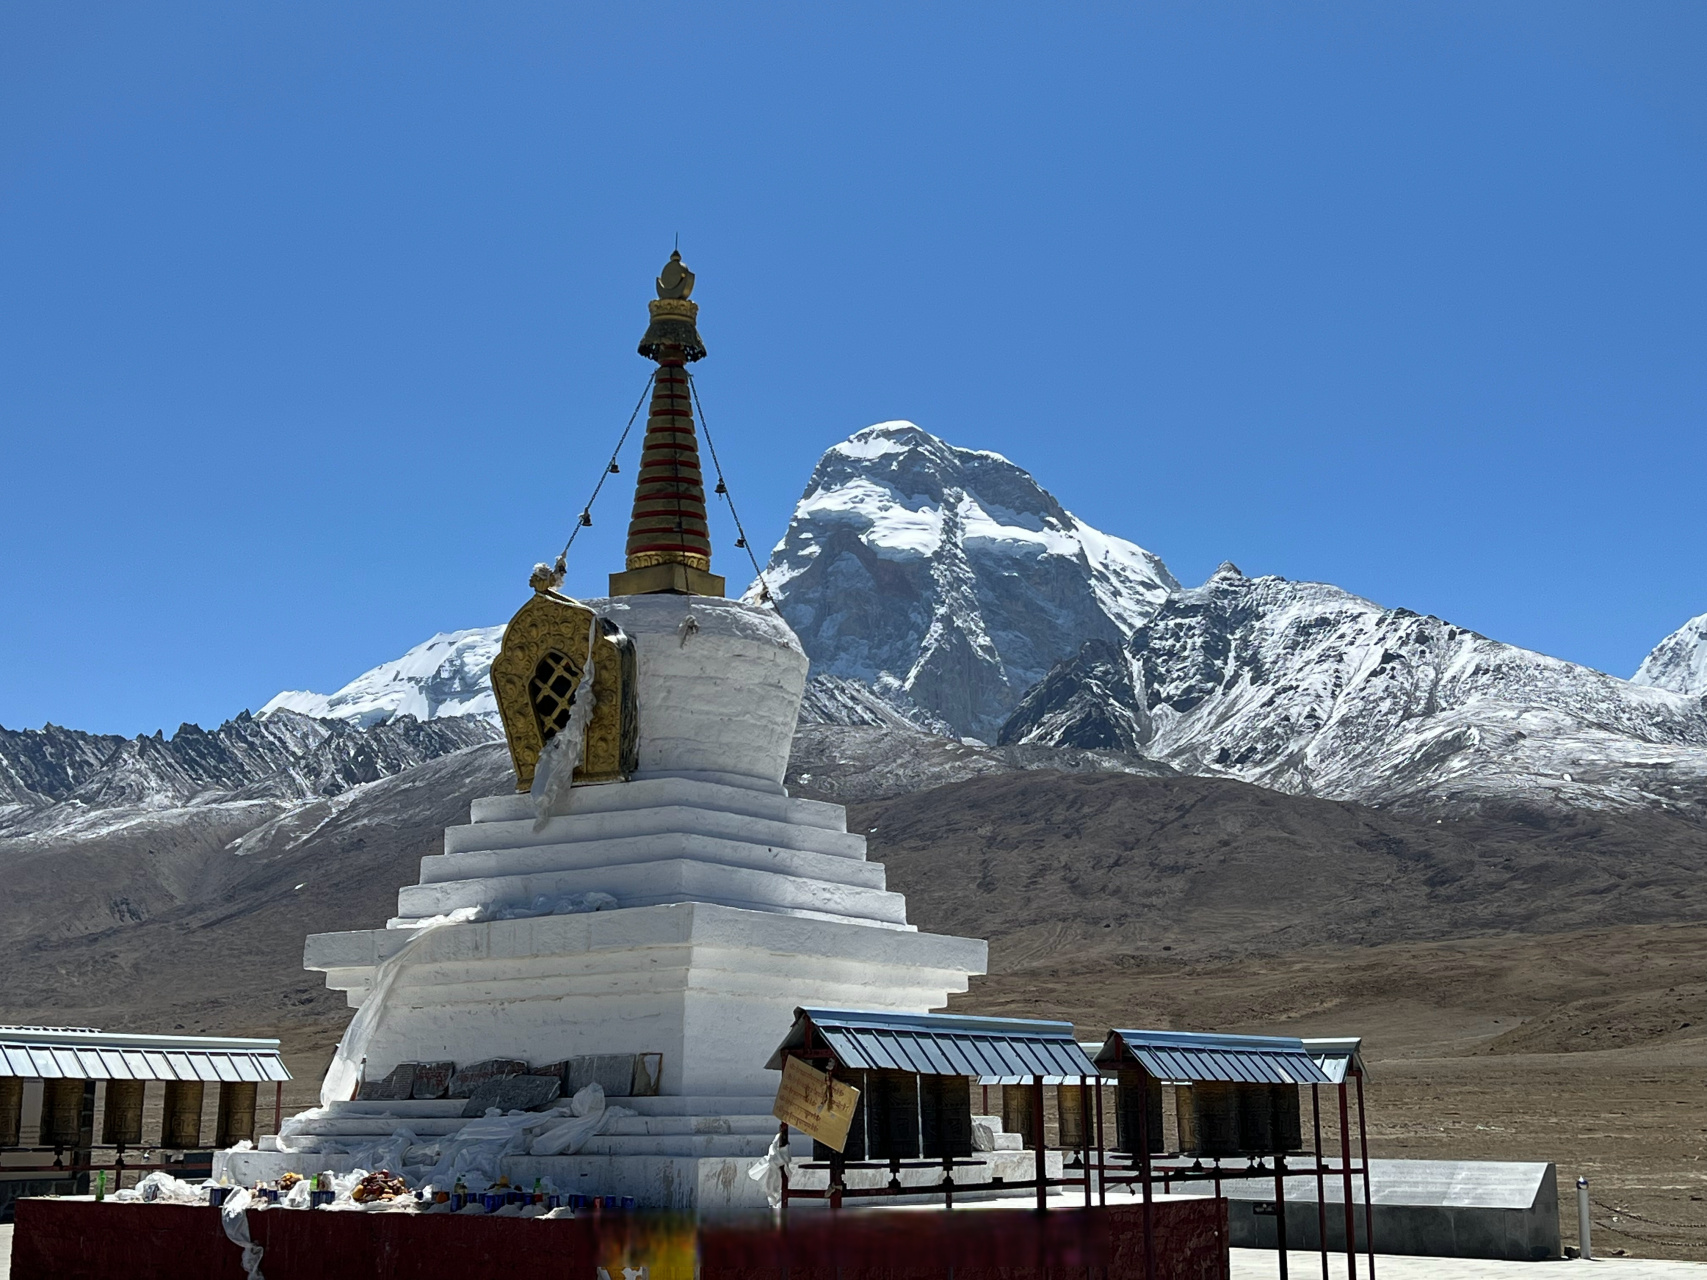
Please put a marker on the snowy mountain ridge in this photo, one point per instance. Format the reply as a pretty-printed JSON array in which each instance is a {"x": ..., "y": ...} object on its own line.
[
  {"x": 1306, "y": 688},
  {"x": 52, "y": 777},
  {"x": 942, "y": 590}
]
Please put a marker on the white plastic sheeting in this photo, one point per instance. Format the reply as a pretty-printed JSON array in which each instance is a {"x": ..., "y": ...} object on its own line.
[
  {"x": 234, "y": 1217},
  {"x": 472, "y": 1153},
  {"x": 554, "y": 772},
  {"x": 768, "y": 1171}
]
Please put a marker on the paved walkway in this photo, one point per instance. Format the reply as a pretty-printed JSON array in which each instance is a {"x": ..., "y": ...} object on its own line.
[{"x": 1261, "y": 1264}]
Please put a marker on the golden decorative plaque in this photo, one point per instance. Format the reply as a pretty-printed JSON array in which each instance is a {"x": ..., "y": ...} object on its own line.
[
  {"x": 537, "y": 676},
  {"x": 810, "y": 1101}
]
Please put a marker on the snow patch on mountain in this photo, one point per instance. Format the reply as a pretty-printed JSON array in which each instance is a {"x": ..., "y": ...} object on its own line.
[
  {"x": 947, "y": 579},
  {"x": 449, "y": 675},
  {"x": 836, "y": 700},
  {"x": 1306, "y": 688},
  {"x": 1679, "y": 662}
]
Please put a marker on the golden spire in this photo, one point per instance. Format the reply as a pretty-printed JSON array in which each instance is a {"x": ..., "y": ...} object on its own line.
[{"x": 669, "y": 545}]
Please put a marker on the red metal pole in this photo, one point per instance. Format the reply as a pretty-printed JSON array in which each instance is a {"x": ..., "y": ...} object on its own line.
[
  {"x": 1102, "y": 1150},
  {"x": 1345, "y": 1173},
  {"x": 1368, "y": 1208},
  {"x": 1321, "y": 1185},
  {"x": 1037, "y": 1140},
  {"x": 1085, "y": 1134},
  {"x": 278, "y": 1106},
  {"x": 1144, "y": 1158}
]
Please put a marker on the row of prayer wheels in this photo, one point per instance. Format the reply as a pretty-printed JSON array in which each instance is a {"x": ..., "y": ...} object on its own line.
[
  {"x": 1211, "y": 1118},
  {"x": 64, "y": 1104}
]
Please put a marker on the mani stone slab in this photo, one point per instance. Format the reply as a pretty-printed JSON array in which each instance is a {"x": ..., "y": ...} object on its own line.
[
  {"x": 432, "y": 1079},
  {"x": 468, "y": 1079},
  {"x": 399, "y": 1084},
  {"x": 512, "y": 1093}
]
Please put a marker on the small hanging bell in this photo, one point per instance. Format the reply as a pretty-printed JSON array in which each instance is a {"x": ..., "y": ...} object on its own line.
[
  {"x": 586, "y": 519},
  {"x": 721, "y": 488},
  {"x": 740, "y": 542},
  {"x": 614, "y": 469}
]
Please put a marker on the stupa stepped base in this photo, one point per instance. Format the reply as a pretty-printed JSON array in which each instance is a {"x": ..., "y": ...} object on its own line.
[
  {"x": 698, "y": 837},
  {"x": 690, "y": 1154}
]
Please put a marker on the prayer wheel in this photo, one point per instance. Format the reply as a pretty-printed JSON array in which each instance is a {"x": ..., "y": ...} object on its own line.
[
  {"x": 1016, "y": 1113},
  {"x": 61, "y": 1112},
  {"x": 1288, "y": 1130},
  {"x": 1256, "y": 1120},
  {"x": 1138, "y": 1101},
  {"x": 121, "y": 1117},
  {"x": 11, "y": 1111},
  {"x": 1185, "y": 1117},
  {"x": 945, "y": 1116},
  {"x": 892, "y": 1115},
  {"x": 1070, "y": 1111},
  {"x": 1215, "y": 1118},
  {"x": 181, "y": 1121},
  {"x": 236, "y": 1113}
]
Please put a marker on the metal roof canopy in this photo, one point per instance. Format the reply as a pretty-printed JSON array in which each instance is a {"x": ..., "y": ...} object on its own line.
[
  {"x": 940, "y": 1044},
  {"x": 52, "y": 1053},
  {"x": 1338, "y": 1055},
  {"x": 1190, "y": 1056}
]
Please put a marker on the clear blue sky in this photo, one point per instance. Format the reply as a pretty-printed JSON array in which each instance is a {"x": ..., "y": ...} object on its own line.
[{"x": 316, "y": 320}]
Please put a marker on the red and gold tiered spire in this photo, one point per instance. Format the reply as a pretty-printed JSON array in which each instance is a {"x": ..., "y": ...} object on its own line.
[{"x": 669, "y": 545}]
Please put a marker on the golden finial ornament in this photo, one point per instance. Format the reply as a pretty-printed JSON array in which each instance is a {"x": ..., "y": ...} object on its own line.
[{"x": 672, "y": 337}]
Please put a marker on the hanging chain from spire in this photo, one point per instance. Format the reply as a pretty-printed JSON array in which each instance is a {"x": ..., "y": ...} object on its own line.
[
  {"x": 722, "y": 491},
  {"x": 611, "y": 469}
]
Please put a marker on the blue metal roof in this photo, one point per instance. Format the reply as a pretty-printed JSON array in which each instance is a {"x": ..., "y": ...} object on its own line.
[
  {"x": 941, "y": 1044},
  {"x": 1192, "y": 1055},
  {"x": 82, "y": 1053}
]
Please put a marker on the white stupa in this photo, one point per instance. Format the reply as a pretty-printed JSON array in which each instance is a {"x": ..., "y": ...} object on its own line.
[{"x": 674, "y": 906}]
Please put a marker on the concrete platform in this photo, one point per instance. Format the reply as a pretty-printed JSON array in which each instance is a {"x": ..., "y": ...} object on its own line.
[{"x": 1434, "y": 1208}]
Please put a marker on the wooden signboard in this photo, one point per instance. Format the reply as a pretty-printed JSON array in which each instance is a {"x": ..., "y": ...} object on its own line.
[{"x": 808, "y": 1100}]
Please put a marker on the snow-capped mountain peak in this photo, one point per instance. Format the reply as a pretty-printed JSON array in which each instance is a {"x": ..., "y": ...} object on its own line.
[
  {"x": 948, "y": 579},
  {"x": 449, "y": 675},
  {"x": 1679, "y": 662}
]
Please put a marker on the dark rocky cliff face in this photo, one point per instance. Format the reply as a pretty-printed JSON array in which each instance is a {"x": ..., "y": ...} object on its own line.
[{"x": 947, "y": 579}]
